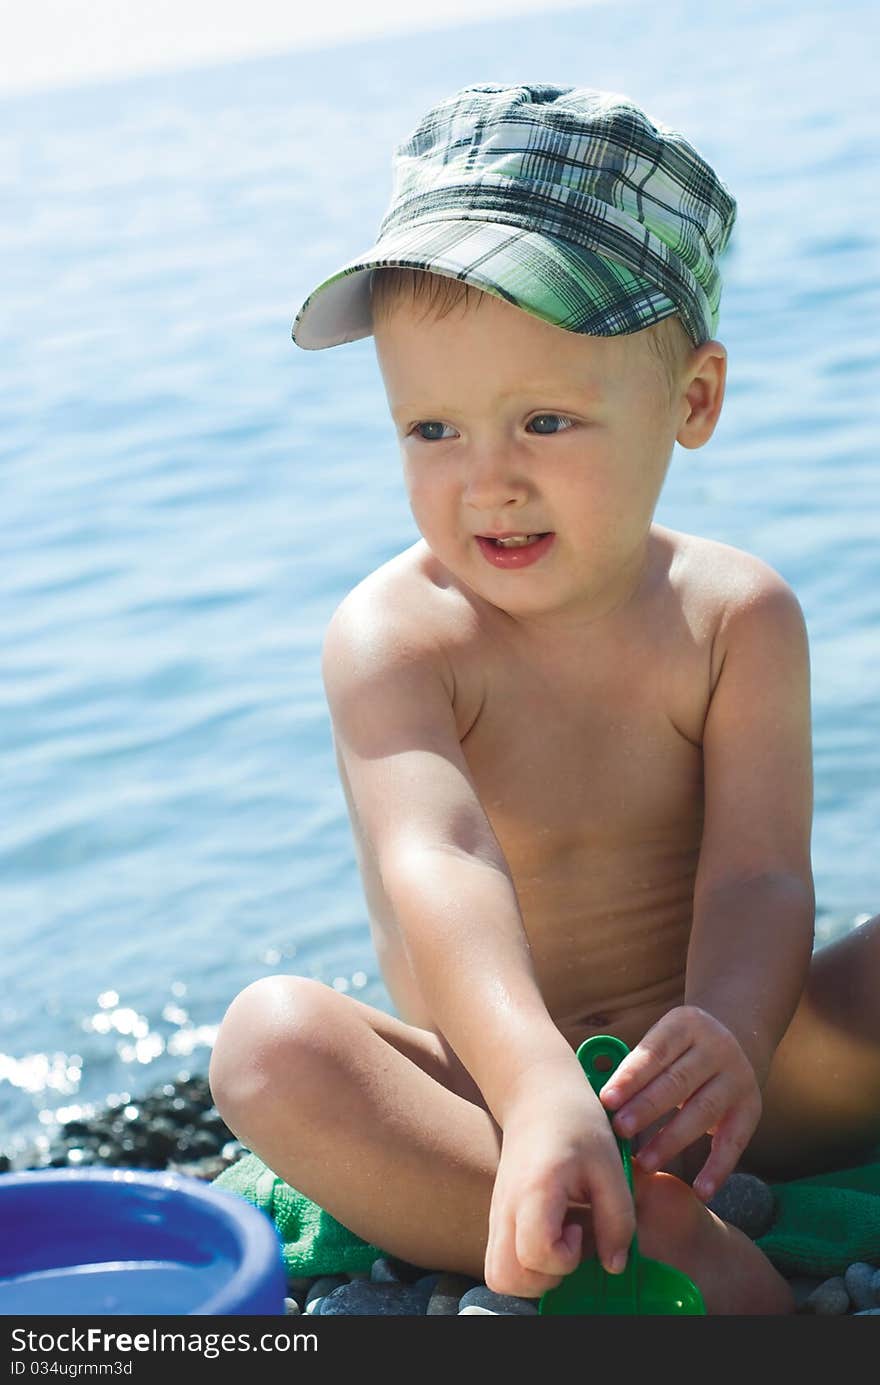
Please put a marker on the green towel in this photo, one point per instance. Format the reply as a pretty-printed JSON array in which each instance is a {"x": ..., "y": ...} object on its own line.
[
  {"x": 822, "y": 1224},
  {"x": 312, "y": 1242}
]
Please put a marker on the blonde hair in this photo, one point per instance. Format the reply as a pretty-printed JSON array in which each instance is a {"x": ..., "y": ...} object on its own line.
[{"x": 438, "y": 294}]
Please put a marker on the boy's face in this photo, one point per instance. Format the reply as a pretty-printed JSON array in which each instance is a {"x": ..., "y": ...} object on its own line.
[{"x": 509, "y": 425}]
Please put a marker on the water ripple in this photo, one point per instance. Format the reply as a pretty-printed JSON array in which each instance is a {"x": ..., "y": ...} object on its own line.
[{"x": 187, "y": 497}]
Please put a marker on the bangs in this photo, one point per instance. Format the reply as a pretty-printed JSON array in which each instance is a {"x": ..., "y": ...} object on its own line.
[{"x": 437, "y": 293}]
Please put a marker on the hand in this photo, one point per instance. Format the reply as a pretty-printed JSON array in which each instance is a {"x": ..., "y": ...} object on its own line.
[
  {"x": 691, "y": 1061},
  {"x": 558, "y": 1154}
]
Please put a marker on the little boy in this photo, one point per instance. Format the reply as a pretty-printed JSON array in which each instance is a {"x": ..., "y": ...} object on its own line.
[{"x": 575, "y": 747}]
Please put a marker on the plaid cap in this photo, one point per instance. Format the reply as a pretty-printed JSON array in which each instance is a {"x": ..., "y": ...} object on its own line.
[{"x": 569, "y": 203}]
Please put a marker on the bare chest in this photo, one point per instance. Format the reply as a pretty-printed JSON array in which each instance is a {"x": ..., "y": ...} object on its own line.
[{"x": 601, "y": 755}]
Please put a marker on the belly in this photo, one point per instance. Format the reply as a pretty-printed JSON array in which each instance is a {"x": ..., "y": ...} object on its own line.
[
  {"x": 610, "y": 955},
  {"x": 608, "y": 942}
]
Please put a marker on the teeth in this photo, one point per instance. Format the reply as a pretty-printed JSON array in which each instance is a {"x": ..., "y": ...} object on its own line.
[{"x": 517, "y": 541}]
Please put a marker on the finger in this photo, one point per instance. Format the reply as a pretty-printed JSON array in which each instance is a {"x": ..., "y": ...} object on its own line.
[
  {"x": 519, "y": 1283},
  {"x": 669, "y": 1090},
  {"x": 500, "y": 1267},
  {"x": 663, "y": 1044},
  {"x": 573, "y": 1235},
  {"x": 728, "y": 1145},
  {"x": 502, "y": 1272},
  {"x": 614, "y": 1220},
  {"x": 540, "y": 1241},
  {"x": 703, "y": 1112},
  {"x": 511, "y": 1278}
]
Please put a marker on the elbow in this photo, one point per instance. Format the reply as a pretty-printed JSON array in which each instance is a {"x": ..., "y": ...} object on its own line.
[
  {"x": 795, "y": 898},
  {"x": 410, "y": 860},
  {"x": 783, "y": 894}
]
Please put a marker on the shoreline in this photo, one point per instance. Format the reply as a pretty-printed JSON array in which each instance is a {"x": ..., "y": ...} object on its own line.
[{"x": 174, "y": 1125}]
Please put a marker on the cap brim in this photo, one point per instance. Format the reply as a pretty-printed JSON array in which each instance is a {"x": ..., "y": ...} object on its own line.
[{"x": 559, "y": 282}]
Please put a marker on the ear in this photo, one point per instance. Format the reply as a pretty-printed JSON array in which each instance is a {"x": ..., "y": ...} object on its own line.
[{"x": 702, "y": 394}]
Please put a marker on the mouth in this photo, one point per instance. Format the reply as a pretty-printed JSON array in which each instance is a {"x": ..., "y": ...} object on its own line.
[
  {"x": 514, "y": 550},
  {"x": 513, "y": 540}
]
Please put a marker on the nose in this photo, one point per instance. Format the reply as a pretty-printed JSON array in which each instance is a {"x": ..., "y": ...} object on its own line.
[{"x": 495, "y": 478}]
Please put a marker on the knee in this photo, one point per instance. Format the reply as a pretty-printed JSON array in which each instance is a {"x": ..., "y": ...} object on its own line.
[{"x": 265, "y": 1040}]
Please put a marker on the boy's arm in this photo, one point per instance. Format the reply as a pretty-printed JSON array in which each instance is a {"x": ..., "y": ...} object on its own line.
[
  {"x": 391, "y": 697},
  {"x": 754, "y": 905},
  {"x": 391, "y": 702}
]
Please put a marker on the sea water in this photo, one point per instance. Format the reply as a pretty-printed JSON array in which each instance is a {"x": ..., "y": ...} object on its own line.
[{"x": 186, "y": 496}]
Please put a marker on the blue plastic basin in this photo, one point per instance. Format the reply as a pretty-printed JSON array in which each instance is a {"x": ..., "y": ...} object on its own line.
[{"x": 114, "y": 1241}]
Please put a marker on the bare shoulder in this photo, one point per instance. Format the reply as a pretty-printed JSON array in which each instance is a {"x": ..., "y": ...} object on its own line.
[
  {"x": 406, "y": 615},
  {"x": 722, "y": 588},
  {"x": 391, "y": 693}
]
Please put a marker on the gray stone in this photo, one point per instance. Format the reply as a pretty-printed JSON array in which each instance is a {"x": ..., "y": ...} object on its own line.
[
  {"x": 867, "y": 1313},
  {"x": 298, "y": 1286},
  {"x": 444, "y": 1301},
  {"x": 446, "y": 1294},
  {"x": 828, "y": 1299},
  {"x": 232, "y": 1151},
  {"x": 858, "y": 1278},
  {"x": 406, "y": 1271},
  {"x": 746, "y": 1202},
  {"x": 427, "y": 1283},
  {"x": 802, "y": 1285},
  {"x": 323, "y": 1285},
  {"x": 388, "y": 1271},
  {"x": 483, "y": 1297},
  {"x": 291, "y": 1308},
  {"x": 364, "y": 1298},
  {"x": 875, "y": 1286}
]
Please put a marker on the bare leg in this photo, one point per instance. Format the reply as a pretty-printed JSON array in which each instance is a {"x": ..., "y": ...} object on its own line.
[
  {"x": 378, "y": 1123},
  {"x": 822, "y": 1098},
  {"x": 358, "y": 1111}
]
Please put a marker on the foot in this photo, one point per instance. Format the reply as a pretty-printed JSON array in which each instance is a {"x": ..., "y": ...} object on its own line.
[{"x": 732, "y": 1274}]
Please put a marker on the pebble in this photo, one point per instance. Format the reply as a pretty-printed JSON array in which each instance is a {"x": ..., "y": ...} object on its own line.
[
  {"x": 426, "y": 1284},
  {"x": 858, "y": 1279},
  {"x": 388, "y": 1270},
  {"x": 298, "y": 1287},
  {"x": 746, "y": 1202},
  {"x": 363, "y": 1297},
  {"x": 484, "y": 1298},
  {"x": 828, "y": 1299},
  {"x": 320, "y": 1287},
  {"x": 174, "y": 1126},
  {"x": 802, "y": 1285},
  {"x": 448, "y": 1292}
]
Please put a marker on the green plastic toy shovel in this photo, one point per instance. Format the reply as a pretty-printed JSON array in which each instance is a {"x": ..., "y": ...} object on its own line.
[{"x": 645, "y": 1286}]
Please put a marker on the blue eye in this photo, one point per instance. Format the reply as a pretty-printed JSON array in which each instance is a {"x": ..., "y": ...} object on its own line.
[
  {"x": 433, "y": 429},
  {"x": 432, "y": 423},
  {"x": 560, "y": 418}
]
